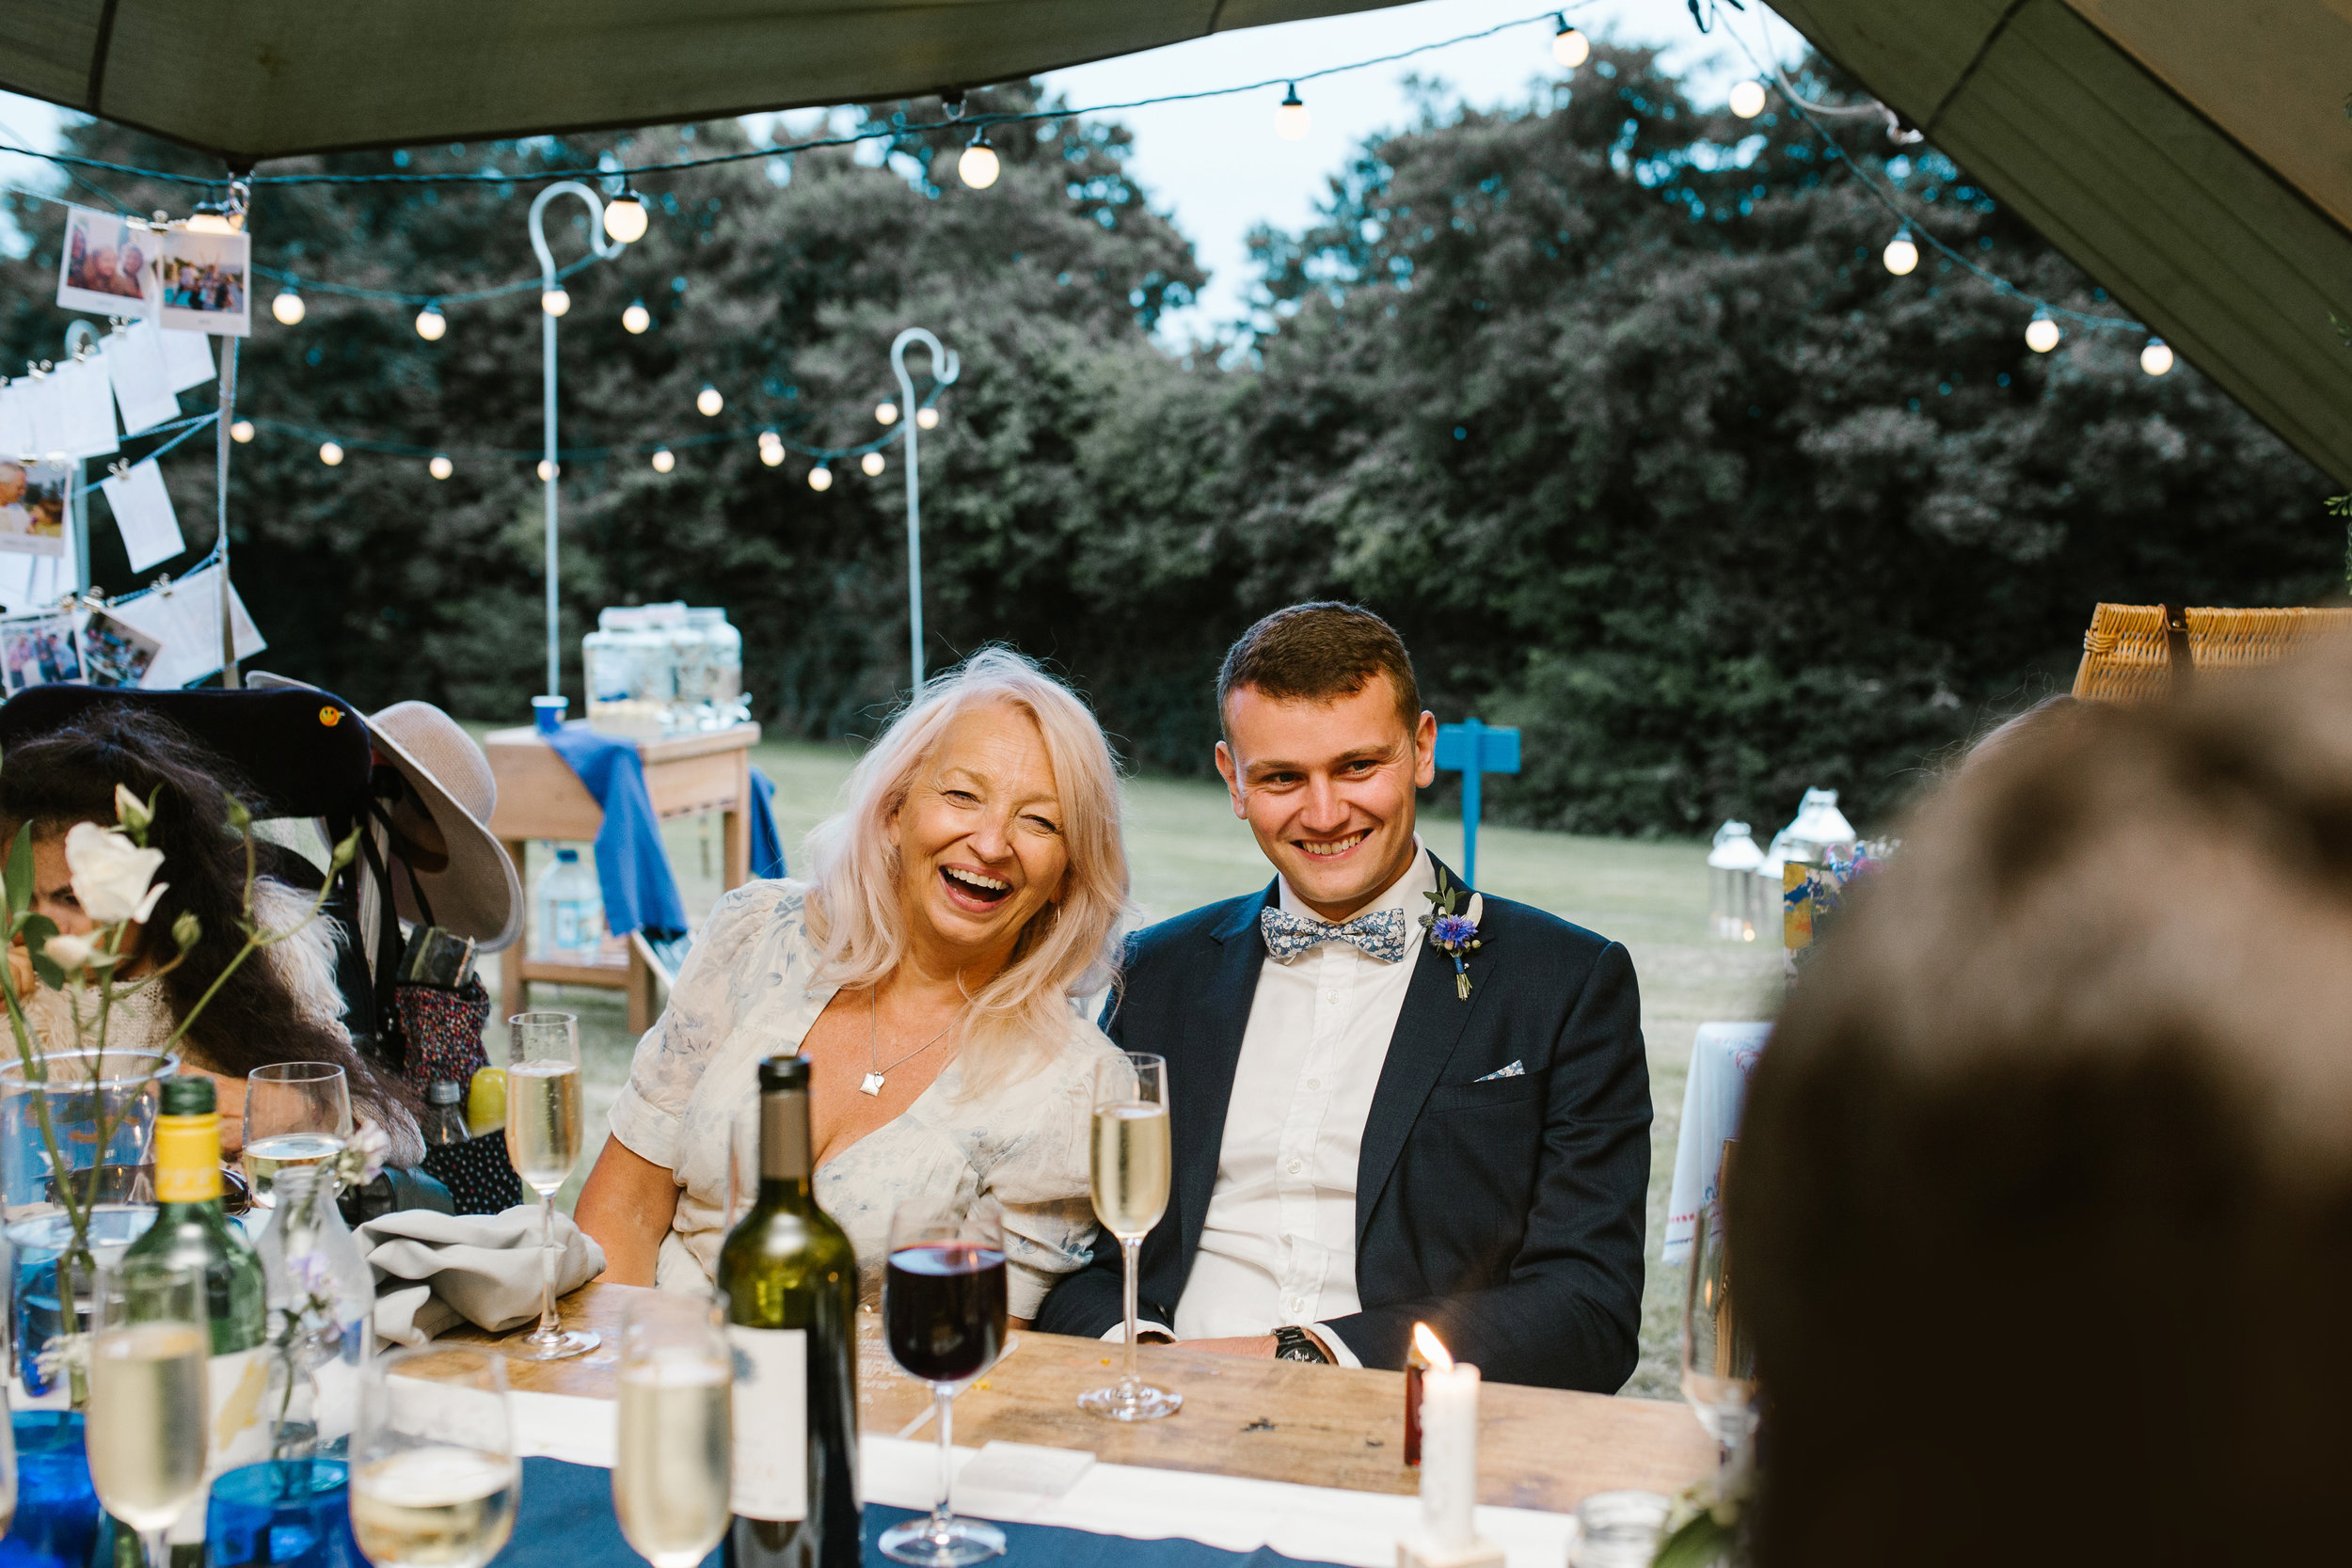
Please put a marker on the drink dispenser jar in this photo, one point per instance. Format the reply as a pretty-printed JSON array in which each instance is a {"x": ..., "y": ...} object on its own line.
[
  {"x": 1731, "y": 883},
  {"x": 721, "y": 686}
]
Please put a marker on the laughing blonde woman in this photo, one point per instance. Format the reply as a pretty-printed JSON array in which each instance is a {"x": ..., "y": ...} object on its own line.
[{"x": 963, "y": 900}]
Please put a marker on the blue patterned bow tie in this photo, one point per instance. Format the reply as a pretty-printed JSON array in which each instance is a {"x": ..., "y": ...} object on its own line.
[{"x": 1381, "y": 933}]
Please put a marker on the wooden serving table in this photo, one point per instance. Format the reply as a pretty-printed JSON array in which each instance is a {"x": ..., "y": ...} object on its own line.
[
  {"x": 540, "y": 797},
  {"x": 1269, "y": 1420}
]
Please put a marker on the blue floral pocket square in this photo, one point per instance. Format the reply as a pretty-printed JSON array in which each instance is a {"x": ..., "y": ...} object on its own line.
[{"x": 1516, "y": 1070}]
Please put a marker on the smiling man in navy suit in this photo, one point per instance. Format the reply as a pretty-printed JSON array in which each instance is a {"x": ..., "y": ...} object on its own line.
[{"x": 1360, "y": 1147}]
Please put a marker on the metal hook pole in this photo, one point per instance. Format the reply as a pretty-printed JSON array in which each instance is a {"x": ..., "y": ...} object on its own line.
[
  {"x": 546, "y": 344},
  {"x": 945, "y": 370}
]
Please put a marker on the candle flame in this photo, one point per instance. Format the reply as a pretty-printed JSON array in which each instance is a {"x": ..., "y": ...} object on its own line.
[{"x": 1432, "y": 1348}]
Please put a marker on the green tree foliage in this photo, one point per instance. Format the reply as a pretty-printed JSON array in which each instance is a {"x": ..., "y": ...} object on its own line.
[{"x": 1606, "y": 401}]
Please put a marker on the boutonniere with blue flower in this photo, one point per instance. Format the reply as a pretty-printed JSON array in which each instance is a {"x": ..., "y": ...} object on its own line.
[{"x": 1455, "y": 935}]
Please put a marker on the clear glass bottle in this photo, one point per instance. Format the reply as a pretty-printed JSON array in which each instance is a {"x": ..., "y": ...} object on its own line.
[
  {"x": 445, "y": 1114},
  {"x": 570, "y": 910},
  {"x": 322, "y": 1304},
  {"x": 1731, "y": 867}
]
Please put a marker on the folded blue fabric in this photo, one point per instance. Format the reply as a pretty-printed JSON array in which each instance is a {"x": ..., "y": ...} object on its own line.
[
  {"x": 766, "y": 843},
  {"x": 631, "y": 865}
]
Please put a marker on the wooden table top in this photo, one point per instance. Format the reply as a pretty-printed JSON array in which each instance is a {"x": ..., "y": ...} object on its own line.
[
  {"x": 1271, "y": 1420},
  {"x": 672, "y": 747}
]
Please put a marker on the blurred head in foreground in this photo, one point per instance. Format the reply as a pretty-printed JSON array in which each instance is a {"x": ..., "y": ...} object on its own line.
[{"x": 2043, "y": 1216}]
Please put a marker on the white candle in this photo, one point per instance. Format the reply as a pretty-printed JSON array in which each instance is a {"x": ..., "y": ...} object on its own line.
[{"x": 1449, "y": 1455}]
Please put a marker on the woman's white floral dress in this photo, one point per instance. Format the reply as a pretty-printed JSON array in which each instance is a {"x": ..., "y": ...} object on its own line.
[{"x": 749, "y": 990}]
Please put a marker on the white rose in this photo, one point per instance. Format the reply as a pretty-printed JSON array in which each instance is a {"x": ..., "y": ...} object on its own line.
[
  {"x": 68, "y": 952},
  {"x": 111, "y": 874}
]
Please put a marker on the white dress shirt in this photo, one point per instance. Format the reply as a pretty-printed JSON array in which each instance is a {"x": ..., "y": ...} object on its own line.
[{"x": 1279, "y": 1243}]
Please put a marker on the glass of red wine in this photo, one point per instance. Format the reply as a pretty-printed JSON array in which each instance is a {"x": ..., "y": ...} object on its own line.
[{"x": 943, "y": 1314}]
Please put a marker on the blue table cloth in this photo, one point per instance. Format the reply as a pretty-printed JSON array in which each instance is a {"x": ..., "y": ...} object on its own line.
[
  {"x": 633, "y": 869},
  {"x": 567, "y": 1522}
]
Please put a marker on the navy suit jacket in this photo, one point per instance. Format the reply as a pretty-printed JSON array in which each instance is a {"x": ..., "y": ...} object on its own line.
[{"x": 1505, "y": 1213}]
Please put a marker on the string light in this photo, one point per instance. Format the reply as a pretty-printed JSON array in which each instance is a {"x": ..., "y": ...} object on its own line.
[
  {"x": 329, "y": 453},
  {"x": 636, "y": 318},
  {"x": 709, "y": 402},
  {"x": 662, "y": 460},
  {"x": 440, "y": 468},
  {"x": 549, "y": 471},
  {"x": 926, "y": 418},
  {"x": 820, "y": 478},
  {"x": 2157, "y": 359},
  {"x": 288, "y": 307},
  {"x": 211, "y": 218},
  {"x": 555, "y": 301},
  {"x": 1291, "y": 120},
  {"x": 1568, "y": 46},
  {"x": 624, "y": 217},
  {"x": 771, "y": 449},
  {"x": 241, "y": 432},
  {"x": 978, "y": 168},
  {"x": 885, "y": 413},
  {"x": 2041, "y": 333},
  {"x": 871, "y": 463},
  {"x": 1901, "y": 255},
  {"x": 1747, "y": 99},
  {"x": 431, "y": 323}
]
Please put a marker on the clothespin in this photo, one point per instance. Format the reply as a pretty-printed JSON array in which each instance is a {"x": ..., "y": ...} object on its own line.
[
  {"x": 120, "y": 467},
  {"x": 117, "y": 325},
  {"x": 161, "y": 584}
]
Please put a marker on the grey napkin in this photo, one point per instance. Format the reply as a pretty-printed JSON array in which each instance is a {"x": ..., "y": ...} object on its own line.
[{"x": 433, "y": 1269}]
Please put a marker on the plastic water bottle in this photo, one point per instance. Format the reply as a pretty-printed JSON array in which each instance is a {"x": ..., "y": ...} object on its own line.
[{"x": 571, "y": 912}]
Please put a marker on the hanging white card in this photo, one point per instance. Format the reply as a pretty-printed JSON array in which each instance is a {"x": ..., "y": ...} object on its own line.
[
  {"x": 142, "y": 382},
  {"x": 16, "y": 580},
  {"x": 85, "y": 408},
  {"x": 142, "y": 508},
  {"x": 185, "y": 619},
  {"x": 187, "y": 357},
  {"x": 16, "y": 427},
  {"x": 37, "y": 396}
]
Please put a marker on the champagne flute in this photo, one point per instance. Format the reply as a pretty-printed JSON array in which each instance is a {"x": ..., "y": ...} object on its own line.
[
  {"x": 1131, "y": 1157},
  {"x": 673, "y": 1470},
  {"x": 296, "y": 1114},
  {"x": 434, "y": 1477},
  {"x": 944, "y": 1312},
  {"x": 542, "y": 1144},
  {"x": 148, "y": 1403},
  {"x": 1718, "y": 1355}
]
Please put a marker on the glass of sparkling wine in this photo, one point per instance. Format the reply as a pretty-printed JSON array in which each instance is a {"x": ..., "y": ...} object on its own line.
[
  {"x": 1131, "y": 1157},
  {"x": 296, "y": 1114},
  {"x": 434, "y": 1477},
  {"x": 943, "y": 1305},
  {"x": 673, "y": 1469},
  {"x": 148, "y": 1405},
  {"x": 543, "y": 1143}
]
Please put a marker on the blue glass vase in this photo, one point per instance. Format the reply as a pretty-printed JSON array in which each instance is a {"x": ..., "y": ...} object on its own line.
[
  {"x": 282, "y": 1512},
  {"x": 57, "y": 1507}
]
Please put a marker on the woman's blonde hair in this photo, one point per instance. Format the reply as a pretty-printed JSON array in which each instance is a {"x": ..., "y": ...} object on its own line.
[{"x": 1067, "y": 951}]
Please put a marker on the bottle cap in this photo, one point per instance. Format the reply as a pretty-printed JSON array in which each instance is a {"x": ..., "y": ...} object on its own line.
[
  {"x": 191, "y": 1095},
  {"x": 784, "y": 1073},
  {"x": 444, "y": 1091}
]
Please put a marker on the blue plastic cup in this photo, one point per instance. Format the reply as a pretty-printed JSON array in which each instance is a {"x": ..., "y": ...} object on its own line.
[
  {"x": 57, "y": 1507},
  {"x": 285, "y": 1514},
  {"x": 547, "y": 713}
]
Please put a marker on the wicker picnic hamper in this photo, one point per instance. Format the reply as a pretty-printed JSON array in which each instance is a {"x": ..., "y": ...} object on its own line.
[{"x": 2131, "y": 651}]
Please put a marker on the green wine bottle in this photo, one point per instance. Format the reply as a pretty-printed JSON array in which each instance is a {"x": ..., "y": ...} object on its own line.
[
  {"x": 192, "y": 1232},
  {"x": 790, "y": 1275}
]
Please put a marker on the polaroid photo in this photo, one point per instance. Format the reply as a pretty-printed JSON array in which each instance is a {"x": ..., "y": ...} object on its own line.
[
  {"x": 113, "y": 653},
  {"x": 207, "y": 283},
  {"x": 33, "y": 506},
  {"x": 107, "y": 266},
  {"x": 37, "y": 651}
]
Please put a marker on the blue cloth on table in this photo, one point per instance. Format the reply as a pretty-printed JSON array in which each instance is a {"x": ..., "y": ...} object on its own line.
[
  {"x": 631, "y": 866},
  {"x": 766, "y": 843},
  {"x": 566, "y": 1521}
]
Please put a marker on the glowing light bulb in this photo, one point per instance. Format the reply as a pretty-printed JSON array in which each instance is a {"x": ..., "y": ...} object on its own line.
[
  {"x": 2157, "y": 359},
  {"x": 288, "y": 307},
  {"x": 211, "y": 218},
  {"x": 885, "y": 413},
  {"x": 440, "y": 468},
  {"x": 241, "y": 432},
  {"x": 625, "y": 217},
  {"x": 549, "y": 471},
  {"x": 709, "y": 402},
  {"x": 431, "y": 323},
  {"x": 980, "y": 165},
  {"x": 1568, "y": 46},
  {"x": 329, "y": 453},
  {"x": 1291, "y": 120},
  {"x": 871, "y": 463},
  {"x": 662, "y": 461},
  {"x": 820, "y": 478},
  {"x": 772, "y": 453},
  {"x": 555, "y": 301},
  {"x": 926, "y": 418},
  {"x": 1747, "y": 99},
  {"x": 2041, "y": 333},
  {"x": 1901, "y": 255},
  {"x": 636, "y": 318}
]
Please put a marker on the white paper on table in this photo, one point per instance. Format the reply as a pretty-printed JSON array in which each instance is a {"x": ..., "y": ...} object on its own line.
[
  {"x": 142, "y": 382},
  {"x": 16, "y": 425},
  {"x": 142, "y": 508},
  {"x": 85, "y": 408},
  {"x": 1713, "y": 1094},
  {"x": 184, "y": 618},
  {"x": 187, "y": 357},
  {"x": 16, "y": 580}
]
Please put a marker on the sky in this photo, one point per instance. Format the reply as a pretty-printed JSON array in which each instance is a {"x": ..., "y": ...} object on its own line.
[{"x": 1217, "y": 163}]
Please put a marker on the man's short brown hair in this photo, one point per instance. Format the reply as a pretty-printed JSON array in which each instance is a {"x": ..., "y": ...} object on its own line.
[{"x": 1319, "y": 653}]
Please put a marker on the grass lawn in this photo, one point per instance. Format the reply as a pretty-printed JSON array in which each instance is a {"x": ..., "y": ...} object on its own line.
[{"x": 1187, "y": 848}]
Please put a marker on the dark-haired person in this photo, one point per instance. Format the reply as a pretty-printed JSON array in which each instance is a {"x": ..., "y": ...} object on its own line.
[
  {"x": 281, "y": 1004},
  {"x": 1358, "y": 1145}
]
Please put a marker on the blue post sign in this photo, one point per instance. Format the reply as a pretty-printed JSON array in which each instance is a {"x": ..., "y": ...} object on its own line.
[{"x": 1471, "y": 748}]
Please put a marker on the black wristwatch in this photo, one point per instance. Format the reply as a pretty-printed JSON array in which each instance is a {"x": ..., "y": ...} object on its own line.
[{"x": 1293, "y": 1343}]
